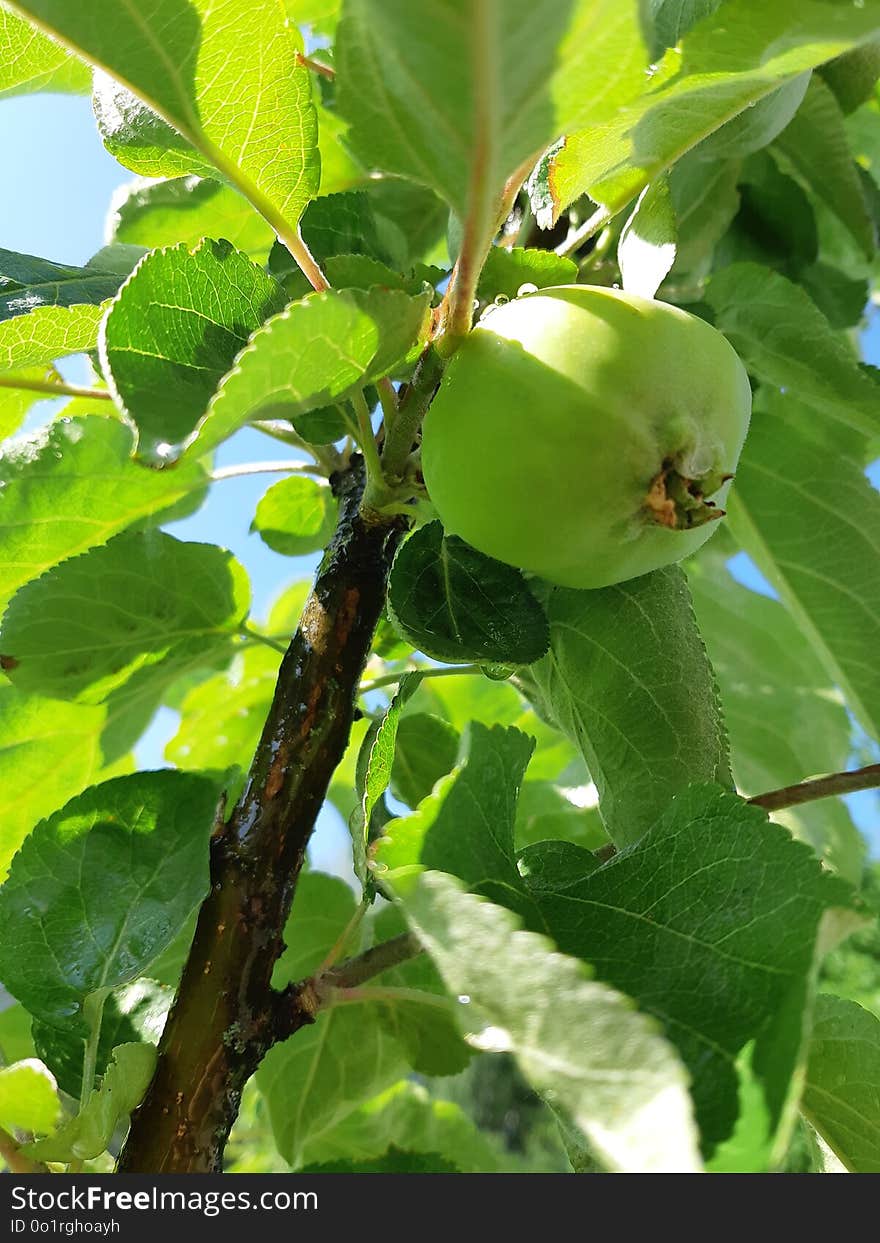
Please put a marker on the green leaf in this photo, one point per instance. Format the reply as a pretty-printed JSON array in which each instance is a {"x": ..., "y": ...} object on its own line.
[
  {"x": 710, "y": 922},
  {"x": 28, "y": 1097},
  {"x": 757, "y": 126},
  {"x": 506, "y": 270},
  {"x": 407, "y": 1119},
  {"x": 50, "y": 752},
  {"x": 90, "y": 1132},
  {"x": 776, "y": 224},
  {"x": 840, "y": 298},
  {"x": 816, "y": 146},
  {"x": 296, "y": 516},
  {"x": 15, "y": 1034},
  {"x": 646, "y": 250},
  {"x": 785, "y": 340},
  {"x": 222, "y": 717},
  {"x": 466, "y": 825},
  {"x": 88, "y": 624},
  {"x": 805, "y": 512},
  {"x": 48, "y": 333},
  {"x": 134, "y": 1012},
  {"x": 426, "y": 750},
  {"x": 546, "y": 810},
  {"x": 28, "y": 283},
  {"x": 853, "y": 77},
  {"x": 173, "y": 332},
  {"x": 452, "y": 603},
  {"x": 16, "y": 402},
  {"x": 138, "y": 138},
  {"x": 101, "y": 887},
  {"x": 373, "y": 771},
  {"x": 339, "y": 169},
  {"x": 705, "y": 200},
  {"x": 733, "y": 59},
  {"x": 71, "y": 487},
  {"x": 361, "y": 272},
  {"x": 672, "y": 19},
  {"x": 313, "y": 1081},
  {"x": 487, "y": 92},
  {"x": 628, "y": 680},
  {"x": 576, "y": 1040},
  {"x": 842, "y": 1089},
  {"x": 314, "y": 353},
  {"x": 422, "y": 1017},
  {"x": 348, "y": 224},
  {"x": 250, "y": 116},
  {"x": 132, "y": 705},
  {"x": 783, "y": 713},
  {"x": 186, "y": 209},
  {"x": 30, "y": 62},
  {"x": 549, "y": 866}
]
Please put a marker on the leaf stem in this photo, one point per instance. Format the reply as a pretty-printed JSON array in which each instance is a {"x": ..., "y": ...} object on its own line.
[
  {"x": 388, "y": 399},
  {"x": 93, "y": 1009},
  {"x": 595, "y": 224},
  {"x": 375, "y": 490},
  {"x": 315, "y": 66},
  {"x": 339, "y": 944},
  {"x": 400, "y": 436},
  {"x": 819, "y": 787},
  {"x": 358, "y": 996},
  {"x": 450, "y": 671},
  {"x": 267, "y": 468},
  {"x": 15, "y": 1159},
  {"x": 54, "y": 388},
  {"x": 262, "y": 638},
  {"x": 280, "y": 429}
]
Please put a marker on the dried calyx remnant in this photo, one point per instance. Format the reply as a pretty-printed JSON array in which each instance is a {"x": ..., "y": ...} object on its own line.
[{"x": 679, "y": 502}]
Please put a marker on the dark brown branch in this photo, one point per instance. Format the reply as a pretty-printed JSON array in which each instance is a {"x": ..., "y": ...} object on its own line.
[
  {"x": 226, "y": 1015},
  {"x": 310, "y": 996},
  {"x": 820, "y": 787},
  {"x": 372, "y": 962}
]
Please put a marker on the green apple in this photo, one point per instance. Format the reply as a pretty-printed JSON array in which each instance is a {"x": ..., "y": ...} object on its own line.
[{"x": 586, "y": 435}]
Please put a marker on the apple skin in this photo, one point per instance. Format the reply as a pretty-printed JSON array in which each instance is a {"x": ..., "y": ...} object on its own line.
[{"x": 556, "y": 415}]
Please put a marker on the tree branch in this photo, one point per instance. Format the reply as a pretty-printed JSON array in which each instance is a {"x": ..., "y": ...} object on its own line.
[
  {"x": 819, "y": 787},
  {"x": 372, "y": 962},
  {"x": 226, "y": 1015}
]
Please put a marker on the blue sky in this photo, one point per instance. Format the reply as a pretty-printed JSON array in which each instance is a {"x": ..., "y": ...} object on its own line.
[{"x": 56, "y": 206}]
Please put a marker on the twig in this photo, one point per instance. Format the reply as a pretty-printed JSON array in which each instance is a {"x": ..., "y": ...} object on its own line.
[
  {"x": 355, "y": 971},
  {"x": 819, "y": 787}
]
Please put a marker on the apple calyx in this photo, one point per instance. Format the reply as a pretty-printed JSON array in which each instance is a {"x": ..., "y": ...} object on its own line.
[{"x": 679, "y": 502}]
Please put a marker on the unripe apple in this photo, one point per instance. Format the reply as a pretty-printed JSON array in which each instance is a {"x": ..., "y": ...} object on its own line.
[{"x": 586, "y": 435}]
